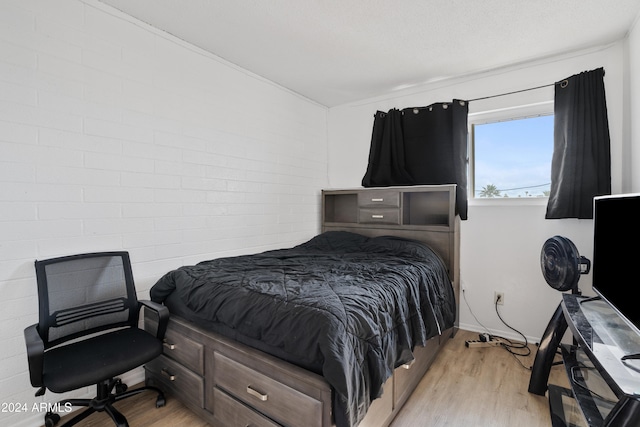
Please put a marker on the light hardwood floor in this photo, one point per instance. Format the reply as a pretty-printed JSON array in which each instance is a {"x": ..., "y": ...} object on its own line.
[{"x": 480, "y": 387}]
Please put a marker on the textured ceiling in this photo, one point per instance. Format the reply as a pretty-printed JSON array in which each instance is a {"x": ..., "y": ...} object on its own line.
[{"x": 339, "y": 51}]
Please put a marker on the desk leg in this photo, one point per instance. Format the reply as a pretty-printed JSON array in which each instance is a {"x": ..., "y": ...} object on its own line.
[
  {"x": 625, "y": 413},
  {"x": 546, "y": 352}
]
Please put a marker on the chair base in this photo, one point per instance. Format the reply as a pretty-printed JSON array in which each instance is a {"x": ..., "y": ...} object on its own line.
[{"x": 103, "y": 402}]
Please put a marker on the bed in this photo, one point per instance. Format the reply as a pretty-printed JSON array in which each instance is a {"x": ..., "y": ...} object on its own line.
[{"x": 313, "y": 334}]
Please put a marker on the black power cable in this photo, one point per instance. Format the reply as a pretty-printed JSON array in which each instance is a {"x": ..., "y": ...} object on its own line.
[
  {"x": 506, "y": 343},
  {"x": 509, "y": 345}
]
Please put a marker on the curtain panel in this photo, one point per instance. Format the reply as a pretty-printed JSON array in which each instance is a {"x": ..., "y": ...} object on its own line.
[
  {"x": 581, "y": 162},
  {"x": 386, "y": 156},
  {"x": 421, "y": 146}
]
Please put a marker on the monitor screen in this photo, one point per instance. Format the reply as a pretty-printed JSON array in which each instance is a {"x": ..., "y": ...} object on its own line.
[{"x": 616, "y": 221}]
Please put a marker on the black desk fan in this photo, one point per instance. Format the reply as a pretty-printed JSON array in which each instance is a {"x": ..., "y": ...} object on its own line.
[{"x": 562, "y": 265}]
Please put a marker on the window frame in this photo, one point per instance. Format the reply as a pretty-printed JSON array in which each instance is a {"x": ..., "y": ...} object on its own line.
[{"x": 538, "y": 109}]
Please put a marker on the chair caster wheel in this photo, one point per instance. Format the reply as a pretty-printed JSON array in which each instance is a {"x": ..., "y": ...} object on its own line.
[
  {"x": 160, "y": 401},
  {"x": 121, "y": 387},
  {"x": 51, "y": 419}
]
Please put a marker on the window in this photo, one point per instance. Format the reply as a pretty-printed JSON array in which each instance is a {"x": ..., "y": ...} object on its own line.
[{"x": 511, "y": 152}]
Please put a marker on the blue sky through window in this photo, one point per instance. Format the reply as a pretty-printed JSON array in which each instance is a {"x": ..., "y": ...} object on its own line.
[{"x": 514, "y": 156}]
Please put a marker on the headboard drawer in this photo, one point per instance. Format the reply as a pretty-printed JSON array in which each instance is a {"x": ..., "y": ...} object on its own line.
[
  {"x": 379, "y": 216},
  {"x": 379, "y": 198}
]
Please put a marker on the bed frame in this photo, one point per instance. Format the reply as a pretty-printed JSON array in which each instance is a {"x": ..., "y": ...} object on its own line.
[{"x": 231, "y": 384}]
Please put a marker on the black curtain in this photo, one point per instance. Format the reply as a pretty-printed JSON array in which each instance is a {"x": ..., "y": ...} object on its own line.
[
  {"x": 386, "y": 156},
  {"x": 417, "y": 146},
  {"x": 581, "y": 162}
]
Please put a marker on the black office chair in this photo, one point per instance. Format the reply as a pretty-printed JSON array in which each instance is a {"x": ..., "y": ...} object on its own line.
[{"x": 88, "y": 332}]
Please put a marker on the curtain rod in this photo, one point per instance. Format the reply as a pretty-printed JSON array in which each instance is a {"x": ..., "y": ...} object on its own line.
[
  {"x": 563, "y": 84},
  {"x": 514, "y": 92}
]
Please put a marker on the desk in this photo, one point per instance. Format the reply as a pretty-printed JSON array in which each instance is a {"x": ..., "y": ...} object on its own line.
[{"x": 605, "y": 390}]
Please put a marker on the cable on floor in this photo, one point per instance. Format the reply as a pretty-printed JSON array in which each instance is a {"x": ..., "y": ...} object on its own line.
[
  {"x": 506, "y": 343},
  {"x": 510, "y": 346}
]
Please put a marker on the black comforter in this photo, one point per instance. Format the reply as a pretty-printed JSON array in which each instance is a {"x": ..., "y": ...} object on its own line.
[{"x": 350, "y": 307}]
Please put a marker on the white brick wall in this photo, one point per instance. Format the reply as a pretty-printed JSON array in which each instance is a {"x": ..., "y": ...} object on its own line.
[{"x": 116, "y": 136}]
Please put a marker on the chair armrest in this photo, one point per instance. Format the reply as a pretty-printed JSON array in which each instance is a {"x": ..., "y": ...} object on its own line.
[
  {"x": 163, "y": 316},
  {"x": 35, "y": 354}
]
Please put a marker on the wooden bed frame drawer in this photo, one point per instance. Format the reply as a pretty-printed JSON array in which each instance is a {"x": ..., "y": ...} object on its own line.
[
  {"x": 177, "y": 380},
  {"x": 408, "y": 376},
  {"x": 184, "y": 350},
  {"x": 380, "y": 413},
  {"x": 379, "y": 216},
  {"x": 232, "y": 413},
  {"x": 180, "y": 343},
  {"x": 380, "y": 198},
  {"x": 268, "y": 396}
]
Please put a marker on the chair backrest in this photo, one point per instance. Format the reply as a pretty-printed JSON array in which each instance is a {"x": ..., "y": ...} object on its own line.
[{"x": 84, "y": 294}]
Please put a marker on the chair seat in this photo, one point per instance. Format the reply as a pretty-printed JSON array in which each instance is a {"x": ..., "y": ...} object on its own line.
[{"x": 98, "y": 359}]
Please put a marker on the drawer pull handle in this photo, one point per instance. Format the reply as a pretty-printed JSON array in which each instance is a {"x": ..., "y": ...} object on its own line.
[
  {"x": 380, "y": 199},
  {"x": 169, "y": 345},
  {"x": 257, "y": 394},
  {"x": 377, "y": 216},
  {"x": 166, "y": 373}
]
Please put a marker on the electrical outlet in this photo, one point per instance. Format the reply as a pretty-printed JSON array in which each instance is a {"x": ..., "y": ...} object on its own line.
[{"x": 498, "y": 298}]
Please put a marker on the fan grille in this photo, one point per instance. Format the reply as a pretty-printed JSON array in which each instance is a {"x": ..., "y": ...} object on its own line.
[{"x": 560, "y": 263}]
